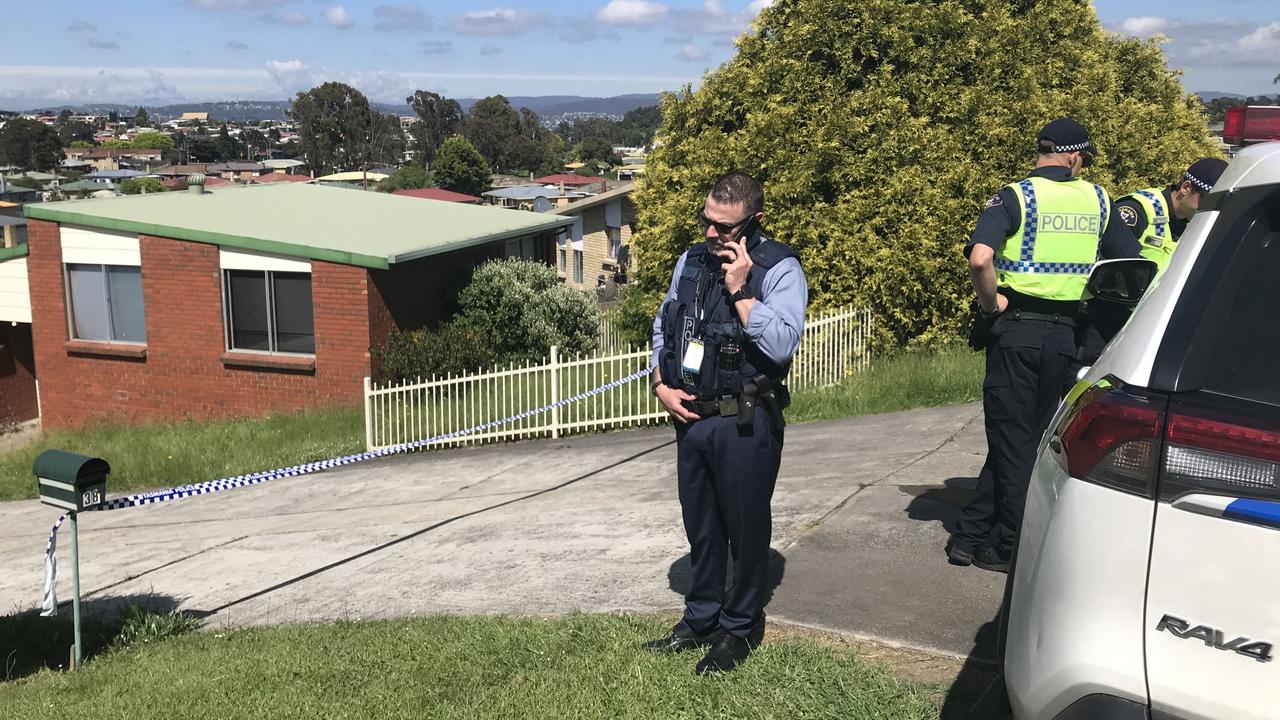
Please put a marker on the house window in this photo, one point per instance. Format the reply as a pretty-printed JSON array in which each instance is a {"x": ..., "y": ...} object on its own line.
[
  {"x": 615, "y": 240},
  {"x": 106, "y": 303},
  {"x": 577, "y": 266},
  {"x": 270, "y": 311}
]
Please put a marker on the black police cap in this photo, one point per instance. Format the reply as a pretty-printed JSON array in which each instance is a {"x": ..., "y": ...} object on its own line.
[
  {"x": 1064, "y": 135},
  {"x": 1204, "y": 173}
]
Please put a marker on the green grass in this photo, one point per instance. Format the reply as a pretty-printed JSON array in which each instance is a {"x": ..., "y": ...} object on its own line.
[
  {"x": 168, "y": 454},
  {"x": 581, "y": 666},
  {"x": 936, "y": 377}
]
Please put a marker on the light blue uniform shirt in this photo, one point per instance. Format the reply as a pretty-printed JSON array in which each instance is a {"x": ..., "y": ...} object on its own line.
[{"x": 776, "y": 320}]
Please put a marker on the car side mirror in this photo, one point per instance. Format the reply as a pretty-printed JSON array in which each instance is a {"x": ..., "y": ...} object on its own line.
[{"x": 1121, "y": 281}]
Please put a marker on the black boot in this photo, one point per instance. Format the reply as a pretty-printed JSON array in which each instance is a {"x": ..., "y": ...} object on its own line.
[
  {"x": 730, "y": 651},
  {"x": 681, "y": 637}
]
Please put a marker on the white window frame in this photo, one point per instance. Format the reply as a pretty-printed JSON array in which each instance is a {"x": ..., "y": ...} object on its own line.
[
  {"x": 269, "y": 265},
  {"x": 106, "y": 303}
]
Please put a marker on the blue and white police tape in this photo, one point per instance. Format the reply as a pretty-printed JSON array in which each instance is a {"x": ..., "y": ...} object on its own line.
[{"x": 50, "y": 603}]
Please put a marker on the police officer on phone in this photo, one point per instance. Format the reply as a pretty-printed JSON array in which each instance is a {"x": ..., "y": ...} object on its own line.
[
  {"x": 1029, "y": 260},
  {"x": 722, "y": 342}
]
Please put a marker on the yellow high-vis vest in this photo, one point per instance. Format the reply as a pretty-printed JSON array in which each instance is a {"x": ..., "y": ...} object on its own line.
[
  {"x": 1056, "y": 243},
  {"x": 1157, "y": 240}
]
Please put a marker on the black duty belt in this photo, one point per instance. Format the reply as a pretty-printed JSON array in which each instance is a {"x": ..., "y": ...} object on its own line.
[
  {"x": 726, "y": 405},
  {"x": 1067, "y": 320}
]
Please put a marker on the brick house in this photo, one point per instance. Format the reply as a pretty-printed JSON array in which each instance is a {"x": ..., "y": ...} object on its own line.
[
  {"x": 588, "y": 252},
  {"x": 104, "y": 158},
  {"x": 243, "y": 300}
]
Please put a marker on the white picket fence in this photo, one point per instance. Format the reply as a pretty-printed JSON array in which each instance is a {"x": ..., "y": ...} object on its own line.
[
  {"x": 610, "y": 338},
  {"x": 834, "y": 346}
]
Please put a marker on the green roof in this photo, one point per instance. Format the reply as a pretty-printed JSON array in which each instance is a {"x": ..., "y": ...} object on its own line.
[
  {"x": 16, "y": 251},
  {"x": 369, "y": 229}
]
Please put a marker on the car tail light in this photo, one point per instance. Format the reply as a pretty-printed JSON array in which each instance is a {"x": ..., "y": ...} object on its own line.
[
  {"x": 1233, "y": 125},
  {"x": 1111, "y": 437},
  {"x": 1207, "y": 451}
]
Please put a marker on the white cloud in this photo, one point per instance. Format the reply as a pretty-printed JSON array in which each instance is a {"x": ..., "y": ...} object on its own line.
[
  {"x": 714, "y": 18},
  {"x": 691, "y": 53},
  {"x": 401, "y": 18},
  {"x": 97, "y": 44},
  {"x": 338, "y": 17},
  {"x": 495, "y": 21},
  {"x": 82, "y": 26},
  {"x": 1144, "y": 26},
  {"x": 576, "y": 30},
  {"x": 487, "y": 49},
  {"x": 288, "y": 17},
  {"x": 632, "y": 12},
  {"x": 236, "y": 45},
  {"x": 1263, "y": 43},
  {"x": 436, "y": 47}
]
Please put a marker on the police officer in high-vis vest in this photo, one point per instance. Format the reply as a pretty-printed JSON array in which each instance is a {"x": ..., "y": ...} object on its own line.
[
  {"x": 1029, "y": 259},
  {"x": 1157, "y": 217},
  {"x": 722, "y": 342}
]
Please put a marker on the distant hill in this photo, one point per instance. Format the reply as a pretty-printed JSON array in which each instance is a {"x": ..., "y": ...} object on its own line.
[
  {"x": 550, "y": 108},
  {"x": 1207, "y": 95}
]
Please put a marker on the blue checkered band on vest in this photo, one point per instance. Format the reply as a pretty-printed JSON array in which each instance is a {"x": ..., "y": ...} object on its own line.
[
  {"x": 1026, "y": 255},
  {"x": 1159, "y": 206}
]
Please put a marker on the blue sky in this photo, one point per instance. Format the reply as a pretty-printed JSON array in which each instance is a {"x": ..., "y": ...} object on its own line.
[{"x": 170, "y": 51}]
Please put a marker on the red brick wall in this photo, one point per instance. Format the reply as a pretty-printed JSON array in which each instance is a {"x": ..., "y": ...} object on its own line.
[
  {"x": 17, "y": 375},
  {"x": 183, "y": 374}
]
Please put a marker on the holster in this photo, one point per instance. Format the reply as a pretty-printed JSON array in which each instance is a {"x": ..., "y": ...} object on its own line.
[{"x": 774, "y": 398}]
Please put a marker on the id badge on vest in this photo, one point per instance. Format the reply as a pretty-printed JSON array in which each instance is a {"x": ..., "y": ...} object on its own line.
[{"x": 692, "y": 362}]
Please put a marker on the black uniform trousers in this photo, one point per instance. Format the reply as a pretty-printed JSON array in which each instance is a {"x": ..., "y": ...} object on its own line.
[
  {"x": 726, "y": 476},
  {"x": 1028, "y": 365}
]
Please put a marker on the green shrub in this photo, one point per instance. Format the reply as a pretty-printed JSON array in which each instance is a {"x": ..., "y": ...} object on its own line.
[
  {"x": 453, "y": 348},
  {"x": 137, "y": 186},
  {"x": 634, "y": 315},
  {"x": 522, "y": 309}
]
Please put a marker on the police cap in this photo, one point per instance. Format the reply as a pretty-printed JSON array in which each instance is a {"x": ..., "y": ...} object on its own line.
[
  {"x": 1066, "y": 135},
  {"x": 1204, "y": 173}
]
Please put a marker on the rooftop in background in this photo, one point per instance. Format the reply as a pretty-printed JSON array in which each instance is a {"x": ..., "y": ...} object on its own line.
[
  {"x": 353, "y": 176},
  {"x": 279, "y": 178},
  {"x": 236, "y": 167},
  {"x": 98, "y": 153},
  {"x": 282, "y": 164},
  {"x": 439, "y": 194},
  {"x": 117, "y": 174},
  {"x": 367, "y": 229},
  {"x": 578, "y": 206},
  {"x": 190, "y": 116},
  {"x": 567, "y": 179},
  {"x": 531, "y": 192}
]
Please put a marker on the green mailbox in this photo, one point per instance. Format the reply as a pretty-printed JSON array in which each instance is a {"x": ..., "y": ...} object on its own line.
[{"x": 71, "y": 481}]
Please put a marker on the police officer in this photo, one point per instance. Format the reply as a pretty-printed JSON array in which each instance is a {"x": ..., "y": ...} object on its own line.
[
  {"x": 1029, "y": 260},
  {"x": 1158, "y": 217},
  {"x": 722, "y": 342}
]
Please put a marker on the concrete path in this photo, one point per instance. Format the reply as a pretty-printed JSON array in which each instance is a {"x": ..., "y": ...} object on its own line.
[{"x": 589, "y": 523}]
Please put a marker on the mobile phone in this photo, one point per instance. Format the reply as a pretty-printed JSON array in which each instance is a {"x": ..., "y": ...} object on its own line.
[{"x": 748, "y": 232}]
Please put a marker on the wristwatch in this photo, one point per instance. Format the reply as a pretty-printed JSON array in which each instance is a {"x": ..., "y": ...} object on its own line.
[{"x": 744, "y": 293}]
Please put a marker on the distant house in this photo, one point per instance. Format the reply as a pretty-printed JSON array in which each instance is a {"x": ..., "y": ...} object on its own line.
[
  {"x": 440, "y": 194},
  {"x": 16, "y": 193},
  {"x": 180, "y": 183},
  {"x": 237, "y": 171},
  {"x": 244, "y": 300},
  {"x": 538, "y": 198},
  {"x": 564, "y": 180},
  {"x": 176, "y": 171},
  {"x": 104, "y": 158},
  {"x": 278, "y": 177},
  {"x": 190, "y": 117},
  {"x": 592, "y": 253},
  {"x": 113, "y": 176}
]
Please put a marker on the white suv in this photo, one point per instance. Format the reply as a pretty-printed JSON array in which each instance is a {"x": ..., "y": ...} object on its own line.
[{"x": 1147, "y": 583}]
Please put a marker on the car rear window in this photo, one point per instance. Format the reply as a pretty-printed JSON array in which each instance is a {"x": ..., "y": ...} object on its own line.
[{"x": 1235, "y": 348}]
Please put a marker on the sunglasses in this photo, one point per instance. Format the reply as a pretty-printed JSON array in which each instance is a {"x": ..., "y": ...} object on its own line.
[{"x": 722, "y": 228}]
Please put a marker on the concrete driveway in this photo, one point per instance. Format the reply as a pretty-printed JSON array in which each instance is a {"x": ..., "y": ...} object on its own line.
[{"x": 588, "y": 523}]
